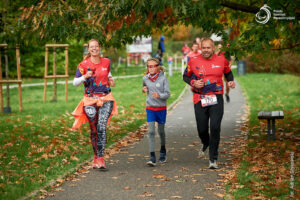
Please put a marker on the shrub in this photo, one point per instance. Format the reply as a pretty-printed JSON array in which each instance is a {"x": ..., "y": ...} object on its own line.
[{"x": 274, "y": 62}]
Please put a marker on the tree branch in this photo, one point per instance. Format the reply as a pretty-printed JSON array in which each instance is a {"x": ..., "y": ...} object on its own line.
[
  {"x": 240, "y": 7},
  {"x": 248, "y": 9},
  {"x": 291, "y": 47}
]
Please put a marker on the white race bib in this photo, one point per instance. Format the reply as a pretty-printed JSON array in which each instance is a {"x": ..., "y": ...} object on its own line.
[{"x": 208, "y": 100}]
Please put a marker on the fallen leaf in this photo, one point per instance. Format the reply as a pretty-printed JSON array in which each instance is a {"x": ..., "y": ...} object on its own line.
[
  {"x": 74, "y": 158},
  {"x": 158, "y": 176},
  {"x": 176, "y": 197},
  {"x": 126, "y": 188},
  {"x": 219, "y": 195},
  {"x": 197, "y": 197}
]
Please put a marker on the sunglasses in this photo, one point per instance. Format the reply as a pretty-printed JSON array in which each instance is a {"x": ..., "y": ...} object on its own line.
[{"x": 151, "y": 66}]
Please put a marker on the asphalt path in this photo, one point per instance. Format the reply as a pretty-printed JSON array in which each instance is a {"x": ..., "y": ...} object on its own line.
[{"x": 183, "y": 176}]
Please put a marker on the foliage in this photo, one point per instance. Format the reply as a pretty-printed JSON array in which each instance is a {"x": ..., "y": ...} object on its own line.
[
  {"x": 37, "y": 145},
  {"x": 274, "y": 62},
  {"x": 118, "y": 22}
]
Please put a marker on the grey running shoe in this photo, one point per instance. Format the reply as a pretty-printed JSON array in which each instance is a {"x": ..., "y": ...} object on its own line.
[
  {"x": 162, "y": 157},
  {"x": 202, "y": 151},
  {"x": 213, "y": 165},
  {"x": 152, "y": 161}
]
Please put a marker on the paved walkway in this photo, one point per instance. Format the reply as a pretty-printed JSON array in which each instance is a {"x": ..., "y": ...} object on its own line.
[{"x": 184, "y": 176}]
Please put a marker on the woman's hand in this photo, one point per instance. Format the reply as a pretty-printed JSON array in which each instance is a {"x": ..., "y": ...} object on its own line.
[
  {"x": 111, "y": 82},
  {"x": 88, "y": 74}
]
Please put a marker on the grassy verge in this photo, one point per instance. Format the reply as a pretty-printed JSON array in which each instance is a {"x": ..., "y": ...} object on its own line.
[
  {"x": 37, "y": 145},
  {"x": 270, "y": 170}
]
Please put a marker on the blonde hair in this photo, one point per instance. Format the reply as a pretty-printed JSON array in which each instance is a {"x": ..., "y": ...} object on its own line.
[
  {"x": 160, "y": 67},
  {"x": 91, "y": 40}
]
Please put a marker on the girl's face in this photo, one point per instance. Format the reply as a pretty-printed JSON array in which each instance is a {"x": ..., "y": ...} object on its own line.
[
  {"x": 94, "y": 48},
  {"x": 152, "y": 67}
]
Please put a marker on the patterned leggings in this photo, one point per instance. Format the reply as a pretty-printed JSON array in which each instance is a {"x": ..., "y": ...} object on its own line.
[{"x": 98, "y": 117}]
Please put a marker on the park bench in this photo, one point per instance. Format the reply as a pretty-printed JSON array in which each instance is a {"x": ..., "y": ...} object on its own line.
[{"x": 271, "y": 116}]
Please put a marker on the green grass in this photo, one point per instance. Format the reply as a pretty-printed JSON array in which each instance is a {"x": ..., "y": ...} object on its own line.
[
  {"x": 37, "y": 145},
  {"x": 264, "y": 170}
]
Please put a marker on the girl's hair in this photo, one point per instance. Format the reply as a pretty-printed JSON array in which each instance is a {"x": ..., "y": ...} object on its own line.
[
  {"x": 160, "y": 67},
  {"x": 91, "y": 40}
]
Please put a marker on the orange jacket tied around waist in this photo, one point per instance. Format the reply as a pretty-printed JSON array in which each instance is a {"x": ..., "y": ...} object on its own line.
[{"x": 79, "y": 114}]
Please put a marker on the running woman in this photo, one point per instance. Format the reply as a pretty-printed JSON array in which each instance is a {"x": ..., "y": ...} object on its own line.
[
  {"x": 156, "y": 85},
  {"x": 98, "y": 103}
]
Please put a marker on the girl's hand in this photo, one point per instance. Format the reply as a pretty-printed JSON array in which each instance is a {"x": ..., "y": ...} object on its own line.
[
  {"x": 145, "y": 89},
  {"x": 155, "y": 95}
]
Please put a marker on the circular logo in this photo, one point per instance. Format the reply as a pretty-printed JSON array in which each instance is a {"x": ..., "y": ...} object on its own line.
[
  {"x": 157, "y": 85},
  {"x": 263, "y": 15}
]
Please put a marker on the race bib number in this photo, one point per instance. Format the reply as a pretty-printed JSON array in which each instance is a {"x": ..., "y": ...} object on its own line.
[{"x": 208, "y": 100}]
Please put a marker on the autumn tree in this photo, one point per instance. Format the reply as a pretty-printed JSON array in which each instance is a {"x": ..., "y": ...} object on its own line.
[{"x": 117, "y": 22}]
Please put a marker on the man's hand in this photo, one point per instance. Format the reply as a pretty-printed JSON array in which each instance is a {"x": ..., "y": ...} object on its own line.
[
  {"x": 198, "y": 84},
  {"x": 145, "y": 89},
  {"x": 155, "y": 95},
  {"x": 88, "y": 74},
  {"x": 231, "y": 84}
]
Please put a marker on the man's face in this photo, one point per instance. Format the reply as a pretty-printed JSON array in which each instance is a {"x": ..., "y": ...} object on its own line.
[{"x": 207, "y": 49}]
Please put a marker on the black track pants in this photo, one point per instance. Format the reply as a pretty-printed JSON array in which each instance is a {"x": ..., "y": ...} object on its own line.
[{"x": 210, "y": 116}]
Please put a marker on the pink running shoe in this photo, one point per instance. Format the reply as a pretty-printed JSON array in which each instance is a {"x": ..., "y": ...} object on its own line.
[
  {"x": 100, "y": 163},
  {"x": 94, "y": 165}
]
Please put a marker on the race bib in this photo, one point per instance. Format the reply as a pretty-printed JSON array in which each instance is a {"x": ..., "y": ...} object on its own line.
[{"x": 208, "y": 100}]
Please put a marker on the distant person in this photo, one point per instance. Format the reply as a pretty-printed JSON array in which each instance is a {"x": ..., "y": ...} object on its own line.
[
  {"x": 204, "y": 73},
  {"x": 161, "y": 47},
  {"x": 194, "y": 52},
  {"x": 198, "y": 41},
  {"x": 229, "y": 62},
  {"x": 98, "y": 103},
  {"x": 156, "y": 85},
  {"x": 185, "y": 49}
]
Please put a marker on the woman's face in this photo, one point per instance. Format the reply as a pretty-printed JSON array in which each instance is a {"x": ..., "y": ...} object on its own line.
[
  {"x": 94, "y": 48},
  {"x": 152, "y": 67}
]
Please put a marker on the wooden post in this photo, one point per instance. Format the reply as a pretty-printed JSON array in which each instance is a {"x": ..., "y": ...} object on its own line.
[
  {"x": 7, "y": 85},
  {"x": 46, "y": 72},
  {"x": 1, "y": 90},
  {"x": 54, "y": 75},
  {"x": 19, "y": 78},
  {"x": 66, "y": 71}
]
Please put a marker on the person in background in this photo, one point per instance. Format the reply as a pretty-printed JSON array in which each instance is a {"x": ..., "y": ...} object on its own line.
[
  {"x": 156, "y": 85},
  {"x": 185, "y": 49},
  {"x": 229, "y": 62},
  {"x": 98, "y": 103},
  {"x": 161, "y": 47},
  {"x": 198, "y": 41},
  {"x": 194, "y": 52}
]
